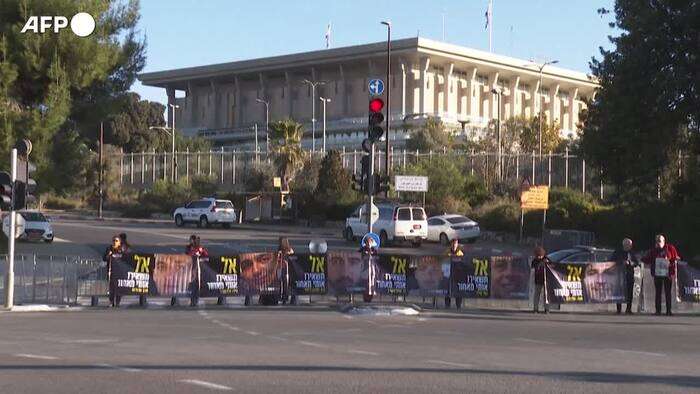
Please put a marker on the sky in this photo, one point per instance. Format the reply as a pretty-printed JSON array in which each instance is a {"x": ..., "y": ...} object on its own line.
[{"x": 187, "y": 33}]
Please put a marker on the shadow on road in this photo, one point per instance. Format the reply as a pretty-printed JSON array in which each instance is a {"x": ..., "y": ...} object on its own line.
[{"x": 588, "y": 377}]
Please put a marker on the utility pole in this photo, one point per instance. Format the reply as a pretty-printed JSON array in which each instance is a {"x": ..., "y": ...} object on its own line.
[
  {"x": 101, "y": 175},
  {"x": 313, "y": 85},
  {"x": 388, "y": 97},
  {"x": 10, "y": 277}
]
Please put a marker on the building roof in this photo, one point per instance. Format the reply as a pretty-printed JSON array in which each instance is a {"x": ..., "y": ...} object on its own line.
[{"x": 403, "y": 47}]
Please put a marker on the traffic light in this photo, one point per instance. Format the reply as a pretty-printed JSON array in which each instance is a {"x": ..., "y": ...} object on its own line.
[
  {"x": 5, "y": 191},
  {"x": 360, "y": 182},
  {"x": 25, "y": 185},
  {"x": 376, "y": 118}
]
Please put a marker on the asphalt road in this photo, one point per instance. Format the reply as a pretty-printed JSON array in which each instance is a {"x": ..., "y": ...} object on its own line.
[
  {"x": 91, "y": 237},
  {"x": 321, "y": 350}
]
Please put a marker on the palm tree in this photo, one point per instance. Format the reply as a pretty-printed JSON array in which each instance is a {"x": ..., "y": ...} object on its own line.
[{"x": 285, "y": 137}]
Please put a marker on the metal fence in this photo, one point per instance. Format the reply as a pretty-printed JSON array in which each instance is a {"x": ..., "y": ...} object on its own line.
[
  {"x": 228, "y": 167},
  {"x": 54, "y": 279}
]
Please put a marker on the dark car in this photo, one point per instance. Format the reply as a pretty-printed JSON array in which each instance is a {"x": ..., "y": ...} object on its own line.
[{"x": 581, "y": 254}]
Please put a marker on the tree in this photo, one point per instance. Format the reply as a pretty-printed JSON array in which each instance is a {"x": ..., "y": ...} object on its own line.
[
  {"x": 431, "y": 136},
  {"x": 334, "y": 181},
  {"x": 71, "y": 157},
  {"x": 521, "y": 135},
  {"x": 130, "y": 127},
  {"x": 647, "y": 107},
  {"x": 49, "y": 79},
  {"x": 285, "y": 141}
]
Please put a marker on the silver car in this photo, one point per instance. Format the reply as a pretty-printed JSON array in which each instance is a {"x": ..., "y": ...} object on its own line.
[{"x": 37, "y": 227}]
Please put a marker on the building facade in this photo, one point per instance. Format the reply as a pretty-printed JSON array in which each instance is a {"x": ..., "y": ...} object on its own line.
[{"x": 225, "y": 102}]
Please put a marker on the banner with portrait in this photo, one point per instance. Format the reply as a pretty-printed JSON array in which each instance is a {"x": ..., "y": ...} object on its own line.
[
  {"x": 348, "y": 273},
  {"x": 219, "y": 276},
  {"x": 173, "y": 275},
  {"x": 132, "y": 274},
  {"x": 259, "y": 274},
  {"x": 390, "y": 274},
  {"x": 688, "y": 282},
  {"x": 428, "y": 276},
  {"x": 307, "y": 273},
  {"x": 585, "y": 283},
  {"x": 510, "y": 277},
  {"x": 470, "y": 277}
]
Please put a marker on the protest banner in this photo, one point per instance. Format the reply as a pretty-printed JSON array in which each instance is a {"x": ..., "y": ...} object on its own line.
[
  {"x": 173, "y": 275},
  {"x": 348, "y": 273},
  {"x": 390, "y": 277},
  {"x": 259, "y": 274},
  {"x": 585, "y": 283},
  {"x": 132, "y": 274},
  {"x": 308, "y": 273},
  {"x": 428, "y": 276},
  {"x": 688, "y": 282},
  {"x": 470, "y": 277},
  {"x": 219, "y": 276}
]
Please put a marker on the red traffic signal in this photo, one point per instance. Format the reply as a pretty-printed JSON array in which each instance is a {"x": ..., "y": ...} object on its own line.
[{"x": 376, "y": 105}]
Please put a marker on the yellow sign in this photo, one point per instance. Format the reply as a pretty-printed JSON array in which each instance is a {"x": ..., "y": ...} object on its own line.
[
  {"x": 277, "y": 181},
  {"x": 535, "y": 197}
]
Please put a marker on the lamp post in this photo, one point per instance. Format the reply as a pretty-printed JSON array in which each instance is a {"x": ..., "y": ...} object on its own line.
[
  {"x": 541, "y": 67},
  {"x": 324, "y": 101},
  {"x": 267, "y": 124},
  {"x": 172, "y": 133},
  {"x": 313, "y": 85},
  {"x": 388, "y": 95},
  {"x": 498, "y": 131}
]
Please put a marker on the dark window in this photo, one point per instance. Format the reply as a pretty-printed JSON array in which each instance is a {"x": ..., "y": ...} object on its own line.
[
  {"x": 224, "y": 204},
  {"x": 404, "y": 214},
  {"x": 201, "y": 204},
  {"x": 458, "y": 219},
  {"x": 418, "y": 214},
  {"x": 33, "y": 216},
  {"x": 435, "y": 222}
]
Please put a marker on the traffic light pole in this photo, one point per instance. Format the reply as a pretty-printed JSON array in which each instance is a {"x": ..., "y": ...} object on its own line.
[
  {"x": 370, "y": 189},
  {"x": 10, "y": 277}
]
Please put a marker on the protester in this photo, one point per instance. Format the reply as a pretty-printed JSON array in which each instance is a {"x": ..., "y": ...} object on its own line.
[
  {"x": 539, "y": 263},
  {"x": 629, "y": 259},
  {"x": 284, "y": 249},
  {"x": 114, "y": 251},
  {"x": 455, "y": 250},
  {"x": 662, "y": 259},
  {"x": 368, "y": 250},
  {"x": 195, "y": 249}
]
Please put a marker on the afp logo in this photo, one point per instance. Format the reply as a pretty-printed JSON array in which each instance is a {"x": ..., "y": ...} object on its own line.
[{"x": 82, "y": 24}]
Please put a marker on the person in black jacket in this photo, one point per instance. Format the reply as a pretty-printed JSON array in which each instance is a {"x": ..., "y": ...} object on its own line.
[
  {"x": 630, "y": 260},
  {"x": 113, "y": 251},
  {"x": 539, "y": 263}
]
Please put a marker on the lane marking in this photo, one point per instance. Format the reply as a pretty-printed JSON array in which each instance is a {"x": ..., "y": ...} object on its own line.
[
  {"x": 117, "y": 367},
  {"x": 253, "y": 333},
  {"x": 88, "y": 341},
  {"x": 534, "y": 341},
  {"x": 363, "y": 352},
  {"x": 440, "y": 362},
  {"x": 60, "y": 240},
  {"x": 305, "y": 343},
  {"x": 36, "y": 356},
  {"x": 277, "y": 338},
  {"x": 639, "y": 352},
  {"x": 209, "y": 385}
]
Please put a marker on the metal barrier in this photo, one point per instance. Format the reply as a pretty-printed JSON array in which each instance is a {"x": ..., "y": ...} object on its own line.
[{"x": 54, "y": 279}]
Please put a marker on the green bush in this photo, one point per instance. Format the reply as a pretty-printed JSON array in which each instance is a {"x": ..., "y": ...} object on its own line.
[
  {"x": 204, "y": 186},
  {"x": 64, "y": 203},
  {"x": 164, "y": 197}
]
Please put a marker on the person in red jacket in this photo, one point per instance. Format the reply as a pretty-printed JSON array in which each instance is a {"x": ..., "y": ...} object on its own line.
[
  {"x": 662, "y": 259},
  {"x": 195, "y": 249}
]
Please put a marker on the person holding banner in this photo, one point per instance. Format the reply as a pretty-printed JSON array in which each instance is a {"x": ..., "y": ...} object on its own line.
[
  {"x": 195, "y": 249},
  {"x": 114, "y": 251},
  {"x": 539, "y": 263},
  {"x": 126, "y": 249},
  {"x": 455, "y": 250},
  {"x": 629, "y": 259},
  {"x": 284, "y": 249},
  {"x": 368, "y": 250},
  {"x": 662, "y": 259}
]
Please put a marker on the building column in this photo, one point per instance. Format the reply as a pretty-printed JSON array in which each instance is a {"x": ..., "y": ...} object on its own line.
[
  {"x": 343, "y": 92},
  {"x": 192, "y": 104},
  {"x": 573, "y": 113},
  {"x": 535, "y": 99},
  {"x": 472, "y": 108},
  {"x": 171, "y": 100},
  {"x": 493, "y": 99},
  {"x": 424, "y": 65},
  {"x": 288, "y": 95},
  {"x": 263, "y": 95},
  {"x": 554, "y": 107},
  {"x": 446, "y": 89},
  {"x": 237, "y": 103},
  {"x": 213, "y": 109},
  {"x": 515, "y": 102}
]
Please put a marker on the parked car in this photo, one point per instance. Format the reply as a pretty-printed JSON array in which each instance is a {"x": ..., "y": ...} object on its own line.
[
  {"x": 37, "y": 227},
  {"x": 445, "y": 228},
  {"x": 393, "y": 222},
  {"x": 581, "y": 254},
  {"x": 206, "y": 212}
]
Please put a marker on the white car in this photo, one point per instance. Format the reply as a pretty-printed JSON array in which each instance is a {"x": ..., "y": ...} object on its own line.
[
  {"x": 206, "y": 212},
  {"x": 392, "y": 222},
  {"x": 36, "y": 227},
  {"x": 445, "y": 228}
]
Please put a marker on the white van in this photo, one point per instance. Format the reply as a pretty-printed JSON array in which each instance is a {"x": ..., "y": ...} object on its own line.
[{"x": 391, "y": 221}]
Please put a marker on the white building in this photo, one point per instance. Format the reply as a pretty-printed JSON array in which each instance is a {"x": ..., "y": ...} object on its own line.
[{"x": 429, "y": 78}]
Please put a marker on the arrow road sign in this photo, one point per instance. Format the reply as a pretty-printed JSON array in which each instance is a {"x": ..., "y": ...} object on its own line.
[{"x": 376, "y": 87}]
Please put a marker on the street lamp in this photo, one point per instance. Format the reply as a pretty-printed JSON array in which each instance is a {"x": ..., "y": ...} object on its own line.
[
  {"x": 498, "y": 131},
  {"x": 388, "y": 95},
  {"x": 324, "y": 101},
  {"x": 165, "y": 129},
  {"x": 267, "y": 124},
  {"x": 541, "y": 67},
  {"x": 313, "y": 85}
]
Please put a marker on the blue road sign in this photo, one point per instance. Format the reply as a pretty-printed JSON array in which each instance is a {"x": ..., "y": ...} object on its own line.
[
  {"x": 376, "y": 87},
  {"x": 374, "y": 238}
]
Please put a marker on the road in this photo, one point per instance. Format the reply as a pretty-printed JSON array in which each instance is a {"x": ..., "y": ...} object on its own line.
[
  {"x": 91, "y": 237},
  {"x": 310, "y": 349}
]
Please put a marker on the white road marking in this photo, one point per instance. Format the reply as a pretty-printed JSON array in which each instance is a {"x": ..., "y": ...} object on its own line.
[
  {"x": 36, "y": 356},
  {"x": 363, "y": 352},
  {"x": 277, "y": 338},
  {"x": 206, "y": 384},
  {"x": 347, "y": 317},
  {"x": 449, "y": 363},
  {"x": 88, "y": 341},
  {"x": 253, "y": 333},
  {"x": 639, "y": 352},
  {"x": 305, "y": 343},
  {"x": 123, "y": 369},
  {"x": 60, "y": 240},
  {"x": 534, "y": 341}
]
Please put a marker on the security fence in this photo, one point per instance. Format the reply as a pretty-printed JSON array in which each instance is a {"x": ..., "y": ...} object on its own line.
[
  {"x": 229, "y": 167},
  {"x": 54, "y": 279}
]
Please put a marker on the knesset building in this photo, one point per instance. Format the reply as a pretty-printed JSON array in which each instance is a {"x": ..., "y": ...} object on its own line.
[{"x": 428, "y": 79}]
